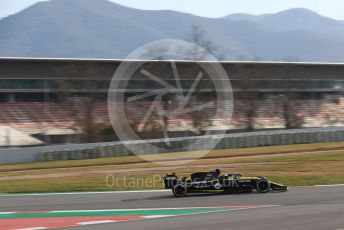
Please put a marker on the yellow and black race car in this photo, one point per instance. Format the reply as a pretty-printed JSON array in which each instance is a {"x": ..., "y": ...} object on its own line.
[{"x": 213, "y": 181}]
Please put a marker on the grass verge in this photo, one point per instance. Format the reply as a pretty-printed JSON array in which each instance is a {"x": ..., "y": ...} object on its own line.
[{"x": 292, "y": 165}]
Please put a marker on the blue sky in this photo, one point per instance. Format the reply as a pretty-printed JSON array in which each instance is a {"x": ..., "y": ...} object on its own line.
[{"x": 209, "y": 8}]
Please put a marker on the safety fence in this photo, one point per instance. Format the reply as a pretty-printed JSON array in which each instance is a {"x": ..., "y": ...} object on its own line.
[{"x": 227, "y": 141}]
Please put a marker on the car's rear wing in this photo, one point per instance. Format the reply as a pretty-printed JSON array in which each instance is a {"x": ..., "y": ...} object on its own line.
[{"x": 170, "y": 180}]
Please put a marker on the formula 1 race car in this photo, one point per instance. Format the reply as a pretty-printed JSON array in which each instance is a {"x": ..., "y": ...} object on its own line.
[{"x": 214, "y": 182}]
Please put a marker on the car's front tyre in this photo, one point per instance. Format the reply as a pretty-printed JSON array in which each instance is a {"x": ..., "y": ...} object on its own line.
[{"x": 263, "y": 186}]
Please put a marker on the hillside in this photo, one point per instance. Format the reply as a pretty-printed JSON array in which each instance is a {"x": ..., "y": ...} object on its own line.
[{"x": 102, "y": 29}]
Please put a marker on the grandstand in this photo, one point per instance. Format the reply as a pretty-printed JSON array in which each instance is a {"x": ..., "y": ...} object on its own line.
[{"x": 46, "y": 98}]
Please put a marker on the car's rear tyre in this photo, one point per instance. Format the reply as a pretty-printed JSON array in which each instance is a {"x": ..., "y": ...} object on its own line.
[
  {"x": 179, "y": 190},
  {"x": 263, "y": 186}
]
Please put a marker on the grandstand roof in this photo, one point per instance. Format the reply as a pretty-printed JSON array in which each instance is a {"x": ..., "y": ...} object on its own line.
[{"x": 57, "y": 68}]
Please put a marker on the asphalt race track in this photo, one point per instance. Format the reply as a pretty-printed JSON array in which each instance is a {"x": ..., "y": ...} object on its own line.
[{"x": 316, "y": 208}]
